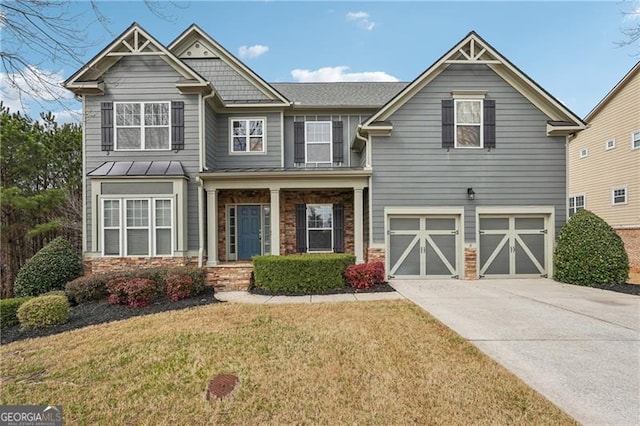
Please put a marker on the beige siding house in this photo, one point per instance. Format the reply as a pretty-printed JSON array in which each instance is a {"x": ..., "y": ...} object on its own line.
[{"x": 604, "y": 163}]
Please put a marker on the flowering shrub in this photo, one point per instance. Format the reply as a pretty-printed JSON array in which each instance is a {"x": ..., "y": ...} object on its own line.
[
  {"x": 135, "y": 292},
  {"x": 365, "y": 275}
]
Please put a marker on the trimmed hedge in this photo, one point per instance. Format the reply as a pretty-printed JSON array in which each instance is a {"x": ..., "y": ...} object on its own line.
[
  {"x": 305, "y": 273},
  {"x": 589, "y": 252},
  {"x": 43, "y": 311},
  {"x": 9, "y": 310},
  {"x": 49, "y": 269}
]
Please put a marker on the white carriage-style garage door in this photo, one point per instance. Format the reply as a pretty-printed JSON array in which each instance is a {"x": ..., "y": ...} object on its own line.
[
  {"x": 513, "y": 246},
  {"x": 423, "y": 246}
]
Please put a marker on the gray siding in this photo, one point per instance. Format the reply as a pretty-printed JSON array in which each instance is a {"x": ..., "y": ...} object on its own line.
[
  {"x": 223, "y": 159},
  {"x": 209, "y": 136},
  {"x": 144, "y": 78},
  {"x": 350, "y": 122},
  {"x": 227, "y": 82},
  {"x": 526, "y": 168}
]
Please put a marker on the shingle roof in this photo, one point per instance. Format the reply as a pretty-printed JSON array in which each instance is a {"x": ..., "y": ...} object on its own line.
[
  {"x": 139, "y": 168},
  {"x": 364, "y": 94}
]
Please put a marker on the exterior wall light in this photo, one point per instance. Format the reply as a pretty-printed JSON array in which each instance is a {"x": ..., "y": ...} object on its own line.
[{"x": 470, "y": 194}]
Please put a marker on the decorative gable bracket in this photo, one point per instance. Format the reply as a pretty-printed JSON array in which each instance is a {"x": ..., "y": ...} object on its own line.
[{"x": 472, "y": 52}]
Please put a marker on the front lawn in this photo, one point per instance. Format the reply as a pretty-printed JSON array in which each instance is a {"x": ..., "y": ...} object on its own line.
[{"x": 345, "y": 363}]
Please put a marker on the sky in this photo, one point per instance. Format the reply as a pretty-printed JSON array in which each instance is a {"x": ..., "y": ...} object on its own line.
[{"x": 569, "y": 48}]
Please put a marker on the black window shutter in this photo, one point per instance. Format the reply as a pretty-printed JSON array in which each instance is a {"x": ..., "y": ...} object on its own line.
[
  {"x": 106, "y": 124},
  {"x": 489, "y": 123},
  {"x": 177, "y": 125},
  {"x": 338, "y": 142},
  {"x": 338, "y": 228},
  {"x": 298, "y": 141},
  {"x": 448, "y": 125},
  {"x": 301, "y": 228}
]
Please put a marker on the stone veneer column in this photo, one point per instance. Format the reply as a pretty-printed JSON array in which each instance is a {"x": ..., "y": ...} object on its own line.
[
  {"x": 275, "y": 222},
  {"x": 470, "y": 263},
  {"x": 358, "y": 235},
  {"x": 212, "y": 227}
]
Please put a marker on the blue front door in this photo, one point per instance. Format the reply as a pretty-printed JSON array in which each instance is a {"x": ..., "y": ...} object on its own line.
[{"x": 249, "y": 243}]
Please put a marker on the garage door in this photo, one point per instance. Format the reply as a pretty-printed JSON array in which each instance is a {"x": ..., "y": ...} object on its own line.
[
  {"x": 512, "y": 246},
  {"x": 423, "y": 246}
]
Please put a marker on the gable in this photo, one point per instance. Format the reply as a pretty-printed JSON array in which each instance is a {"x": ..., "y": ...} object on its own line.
[{"x": 473, "y": 50}]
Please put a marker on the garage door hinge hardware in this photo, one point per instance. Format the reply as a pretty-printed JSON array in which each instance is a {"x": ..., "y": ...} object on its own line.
[
  {"x": 480, "y": 276},
  {"x": 390, "y": 276},
  {"x": 390, "y": 232},
  {"x": 544, "y": 276},
  {"x": 455, "y": 276},
  {"x": 455, "y": 232},
  {"x": 480, "y": 232},
  {"x": 544, "y": 231}
]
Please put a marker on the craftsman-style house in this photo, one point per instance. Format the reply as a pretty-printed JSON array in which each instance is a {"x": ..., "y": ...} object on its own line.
[{"x": 191, "y": 157}]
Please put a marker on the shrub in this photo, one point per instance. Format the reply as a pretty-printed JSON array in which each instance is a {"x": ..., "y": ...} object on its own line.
[
  {"x": 135, "y": 292},
  {"x": 49, "y": 269},
  {"x": 365, "y": 275},
  {"x": 43, "y": 311},
  {"x": 9, "y": 310},
  {"x": 89, "y": 288},
  {"x": 589, "y": 252},
  {"x": 306, "y": 273},
  {"x": 181, "y": 284}
]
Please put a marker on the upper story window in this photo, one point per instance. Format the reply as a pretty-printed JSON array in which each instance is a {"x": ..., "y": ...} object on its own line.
[
  {"x": 318, "y": 142},
  {"x": 576, "y": 202},
  {"x": 247, "y": 135},
  {"x": 619, "y": 196},
  {"x": 635, "y": 140},
  {"x": 142, "y": 126},
  {"x": 610, "y": 144},
  {"x": 584, "y": 153},
  {"x": 468, "y": 123}
]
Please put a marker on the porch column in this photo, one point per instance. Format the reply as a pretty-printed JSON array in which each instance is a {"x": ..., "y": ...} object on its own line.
[
  {"x": 212, "y": 227},
  {"x": 358, "y": 234},
  {"x": 275, "y": 222}
]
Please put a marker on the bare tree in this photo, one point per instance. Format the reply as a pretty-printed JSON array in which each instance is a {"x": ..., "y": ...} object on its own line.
[
  {"x": 39, "y": 34},
  {"x": 631, "y": 30}
]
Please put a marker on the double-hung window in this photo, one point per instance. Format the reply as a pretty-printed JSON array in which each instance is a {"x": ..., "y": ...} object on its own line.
[
  {"x": 635, "y": 140},
  {"x": 576, "y": 202},
  {"x": 142, "y": 125},
  {"x": 619, "y": 196},
  {"x": 320, "y": 227},
  {"x": 318, "y": 142},
  {"x": 137, "y": 227},
  {"x": 247, "y": 135},
  {"x": 468, "y": 123}
]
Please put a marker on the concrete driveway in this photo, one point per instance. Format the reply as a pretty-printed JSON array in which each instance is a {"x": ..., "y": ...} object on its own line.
[{"x": 578, "y": 346}]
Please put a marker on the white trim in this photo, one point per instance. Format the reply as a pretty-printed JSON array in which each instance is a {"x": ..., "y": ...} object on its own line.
[
  {"x": 468, "y": 94},
  {"x": 610, "y": 144},
  {"x": 309, "y": 229},
  {"x": 613, "y": 196},
  {"x": 307, "y": 142},
  {"x": 633, "y": 134},
  {"x": 584, "y": 152},
  {"x": 142, "y": 126},
  {"x": 248, "y": 136},
  {"x": 282, "y": 139},
  {"x": 479, "y": 125}
]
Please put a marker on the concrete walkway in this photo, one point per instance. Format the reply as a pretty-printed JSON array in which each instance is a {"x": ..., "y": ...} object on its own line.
[
  {"x": 578, "y": 346},
  {"x": 246, "y": 297}
]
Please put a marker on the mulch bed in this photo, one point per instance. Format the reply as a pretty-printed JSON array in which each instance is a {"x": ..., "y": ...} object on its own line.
[
  {"x": 102, "y": 312},
  {"x": 622, "y": 288},
  {"x": 379, "y": 288}
]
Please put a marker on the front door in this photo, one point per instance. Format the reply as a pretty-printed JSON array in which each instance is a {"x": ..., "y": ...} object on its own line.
[{"x": 249, "y": 238}]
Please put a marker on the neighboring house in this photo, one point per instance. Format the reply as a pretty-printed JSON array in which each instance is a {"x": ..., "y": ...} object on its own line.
[
  {"x": 604, "y": 163},
  {"x": 191, "y": 157}
]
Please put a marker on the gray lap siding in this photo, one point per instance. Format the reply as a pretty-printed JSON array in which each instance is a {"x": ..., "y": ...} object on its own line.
[
  {"x": 143, "y": 79},
  {"x": 526, "y": 168}
]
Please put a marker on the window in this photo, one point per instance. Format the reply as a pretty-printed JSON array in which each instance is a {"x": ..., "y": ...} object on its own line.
[
  {"x": 137, "y": 227},
  {"x": 247, "y": 135},
  {"x": 142, "y": 126},
  {"x": 320, "y": 227},
  {"x": 584, "y": 153},
  {"x": 635, "y": 140},
  {"x": 468, "y": 123},
  {"x": 318, "y": 142},
  {"x": 610, "y": 144},
  {"x": 576, "y": 202},
  {"x": 619, "y": 196}
]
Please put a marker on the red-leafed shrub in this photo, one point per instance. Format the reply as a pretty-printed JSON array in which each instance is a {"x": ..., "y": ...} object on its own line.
[
  {"x": 135, "y": 292},
  {"x": 365, "y": 275},
  {"x": 182, "y": 286}
]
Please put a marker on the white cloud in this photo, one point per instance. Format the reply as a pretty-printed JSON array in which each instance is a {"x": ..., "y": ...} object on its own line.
[
  {"x": 249, "y": 52},
  {"x": 340, "y": 73},
  {"x": 362, "y": 19},
  {"x": 68, "y": 116},
  {"x": 32, "y": 85}
]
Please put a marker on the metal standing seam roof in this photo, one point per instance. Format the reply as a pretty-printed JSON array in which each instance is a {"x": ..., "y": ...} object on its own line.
[
  {"x": 365, "y": 94},
  {"x": 138, "y": 168}
]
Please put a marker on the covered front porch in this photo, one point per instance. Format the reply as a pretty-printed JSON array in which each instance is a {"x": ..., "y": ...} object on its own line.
[{"x": 284, "y": 212}]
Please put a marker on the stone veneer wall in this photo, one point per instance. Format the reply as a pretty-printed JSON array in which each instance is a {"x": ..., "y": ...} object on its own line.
[
  {"x": 470, "y": 263},
  {"x": 230, "y": 277},
  {"x": 288, "y": 201},
  {"x": 100, "y": 265},
  {"x": 631, "y": 238}
]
